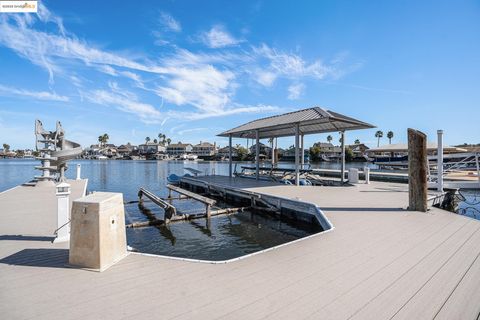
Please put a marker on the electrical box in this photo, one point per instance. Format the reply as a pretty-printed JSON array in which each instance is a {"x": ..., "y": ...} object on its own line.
[{"x": 97, "y": 236}]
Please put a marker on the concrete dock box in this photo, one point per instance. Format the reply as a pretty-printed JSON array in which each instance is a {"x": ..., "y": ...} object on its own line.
[
  {"x": 97, "y": 237},
  {"x": 353, "y": 175}
]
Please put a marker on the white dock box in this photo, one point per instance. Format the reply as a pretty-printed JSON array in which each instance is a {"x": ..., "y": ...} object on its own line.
[
  {"x": 98, "y": 238},
  {"x": 353, "y": 175}
]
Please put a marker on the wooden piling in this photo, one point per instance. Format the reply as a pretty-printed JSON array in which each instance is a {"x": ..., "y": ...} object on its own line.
[{"x": 417, "y": 170}]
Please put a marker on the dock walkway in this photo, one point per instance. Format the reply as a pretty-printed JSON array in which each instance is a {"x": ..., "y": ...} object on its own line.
[{"x": 380, "y": 262}]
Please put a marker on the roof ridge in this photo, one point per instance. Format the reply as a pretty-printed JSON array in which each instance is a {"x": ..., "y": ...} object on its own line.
[{"x": 274, "y": 116}]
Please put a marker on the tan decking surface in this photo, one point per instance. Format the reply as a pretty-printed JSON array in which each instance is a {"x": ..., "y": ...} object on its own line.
[
  {"x": 27, "y": 210},
  {"x": 380, "y": 262}
]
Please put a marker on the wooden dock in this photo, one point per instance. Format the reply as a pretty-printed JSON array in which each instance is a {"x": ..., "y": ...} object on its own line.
[{"x": 380, "y": 262}]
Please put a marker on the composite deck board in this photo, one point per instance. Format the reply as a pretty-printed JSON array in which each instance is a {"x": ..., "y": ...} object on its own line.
[
  {"x": 404, "y": 284},
  {"x": 427, "y": 301},
  {"x": 378, "y": 260},
  {"x": 400, "y": 278},
  {"x": 463, "y": 301},
  {"x": 249, "y": 292},
  {"x": 23, "y": 210},
  {"x": 325, "y": 291},
  {"x": 369, "y": 257},
  {"x": 240, "y": 295}
]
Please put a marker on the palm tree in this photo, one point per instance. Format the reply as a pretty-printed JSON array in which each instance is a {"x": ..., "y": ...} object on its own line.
[
  {"x": 147, "y": 139},
  {"x": 329, "y": 138},
  {"x": 169, "y": 141},
  {"x": 6, "y": 147},
  {"x": 378, "y": 135},
  {"x": 161, "y": 138},
  {"x": 105, "y": 138},
  {"x": 155, "y": 141},
  {"x": 357, "y": 141},
  {"x": 390, "y": 136}
]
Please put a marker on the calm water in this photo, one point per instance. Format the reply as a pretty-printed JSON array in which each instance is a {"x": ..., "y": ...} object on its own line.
[{"x": 224, "y": 237}]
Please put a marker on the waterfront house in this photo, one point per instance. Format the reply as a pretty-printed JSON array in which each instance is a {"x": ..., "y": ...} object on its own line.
[
  {"x": 325, "y": 147},
  {"x": 225, "y": 152},
  {"x": 126, "y": 149},
  {"x": 8, "y": 154},
  {"x": 151, "y": 148},
  {"x": 179, "y": 148},
  {"x": 289, "y": 155},
  {"x": 328, "y": 149},
  {"x": 264, "y": 149},
  {"x": 358, "y": 150},
  {"x": 109, "y": 150},
  {"x": 205, "y": 149}
]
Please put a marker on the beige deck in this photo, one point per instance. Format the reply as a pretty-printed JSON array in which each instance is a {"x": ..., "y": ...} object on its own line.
[
  {"x": 31, "y": 211},
  {"x": 380, "y": 262}
]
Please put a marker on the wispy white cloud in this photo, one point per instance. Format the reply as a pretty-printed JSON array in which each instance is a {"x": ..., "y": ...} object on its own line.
[
  {"x": 40, "y": 95},
  {"x": 238, "y": 109},
  {"x": 204, "y": 87},
  {"x": 292, "y": 65},
  {"x": 126, "y": 102},
  {"x": 169, "y": 22},
  {"x": 265, "y": 77},
  {"x": 117, "y": 73},
  {"x": 218, "y": 37},
  {"x": 295, "y": 91},
  {"x": 182, "y": 132},
  {"x": 160, "y": 38},
  {"x": 43, "y": 49},
  {"x": 193, "y": 85}
]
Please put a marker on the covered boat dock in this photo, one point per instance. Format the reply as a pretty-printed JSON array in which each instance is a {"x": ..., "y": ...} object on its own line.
[{"x": 298, "y": 123}]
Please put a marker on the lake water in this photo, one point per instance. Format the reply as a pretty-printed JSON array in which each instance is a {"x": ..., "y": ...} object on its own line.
[{"x": 224, "y": 237}]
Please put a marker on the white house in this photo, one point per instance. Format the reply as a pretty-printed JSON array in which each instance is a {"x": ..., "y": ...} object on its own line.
[
  {"x": 151, "y": 148},
  {"x": 224, "y": 152},
  {"x": 205, "y": 149},
  {"x": 179, "y": 148}
]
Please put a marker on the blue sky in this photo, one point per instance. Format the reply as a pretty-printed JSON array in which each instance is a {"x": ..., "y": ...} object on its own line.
[{"x": 192, "y": 69}]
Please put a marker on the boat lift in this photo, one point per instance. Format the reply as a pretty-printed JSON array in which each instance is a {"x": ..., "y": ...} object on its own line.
[{"x": 171, "y": 212}]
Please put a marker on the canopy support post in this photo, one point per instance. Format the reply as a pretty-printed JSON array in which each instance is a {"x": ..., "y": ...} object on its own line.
[
  {"x": 276, "y": 153},
  {"x": 230, "y": 155},
  {"x": 273, "y": 152},
  {"x": 257, "y": 155},
  {"x": 297, "y": 142},
  {"x": 302, "y": 152},
  {"x": 342, "y": 169},
  {"x": 439, "y": 160}
]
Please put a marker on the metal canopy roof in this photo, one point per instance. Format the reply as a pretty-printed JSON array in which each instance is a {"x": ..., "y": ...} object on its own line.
[{"x": 310, "y": 121}]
